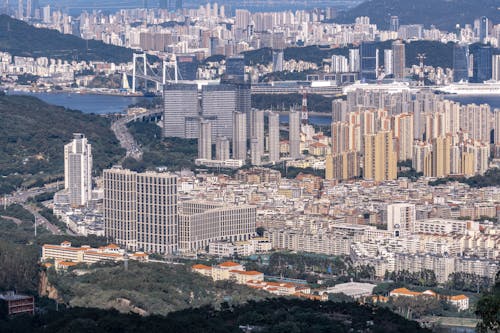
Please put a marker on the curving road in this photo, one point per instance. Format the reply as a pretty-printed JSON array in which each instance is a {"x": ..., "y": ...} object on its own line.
[{"x": 127, "y": 141}]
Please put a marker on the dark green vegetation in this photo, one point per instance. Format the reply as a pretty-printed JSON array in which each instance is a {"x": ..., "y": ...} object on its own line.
[
  {"x": 21, "y": 39},
  {"x": 271, "y": 316},
  {"x": 488, "y": 309},
  {"x": 20, "y": 250},
  {"x": 32, "y": 138},
  {"x": 317, "y": 103},
  {"x": 156, "y": 288},
  {"x": 438, "y": 54},
  {"x": 490, "y": 178},
  {"x": 426, "y": 278},
  {"x": 444, "y": 14},
  {"x": 173, "y": 153}
]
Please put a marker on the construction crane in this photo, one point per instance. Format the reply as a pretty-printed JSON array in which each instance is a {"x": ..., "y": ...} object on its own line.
[{"x": 421, "y": 76}]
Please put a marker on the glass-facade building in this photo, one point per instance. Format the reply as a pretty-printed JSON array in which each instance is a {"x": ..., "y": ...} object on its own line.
[
  {"x": 482, "y": 67},
  {"x": 368, "y": 61},
  {"x": 460, "y": 63}
]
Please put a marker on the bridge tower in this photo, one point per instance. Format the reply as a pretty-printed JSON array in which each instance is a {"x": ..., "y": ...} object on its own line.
[{"x": 134, "y": 69}]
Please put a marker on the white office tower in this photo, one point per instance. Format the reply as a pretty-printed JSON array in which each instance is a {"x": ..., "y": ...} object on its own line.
[
  {"x": 180, "y": 113},
  {"x": 294, "y": 134},
  {"x": 401, "y": 218},
  {"x": 258, "y": 130},
  {"x": 140, "y": 210},
  {"x": 496, "y": 67},
  {"x": 222, "y": 148},
  {"x": 205, "y": 140},
  {"x": 239, "y": 136},
  {"x": 274, "y": 137},
  {"x": 388, "y": 62},
  {"x": 78, "y": 170},
  {"x": 354, "y": 61},
  {"x": 255, "y": 153}
]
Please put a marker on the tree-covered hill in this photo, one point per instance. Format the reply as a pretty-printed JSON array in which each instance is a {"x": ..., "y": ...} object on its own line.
[
  {"x": 156, "y": 288},
  {"x": 270, "y": 316},
  {"x": 444, "y": 14},
  {"x": 21, "y": 39},
  {"x": 32, "y": 138}
]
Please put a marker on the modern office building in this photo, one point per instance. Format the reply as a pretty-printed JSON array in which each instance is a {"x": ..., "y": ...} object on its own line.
[
  {"x": 78, "y": 170},
  {"x": 401, "y": 218},
  {"x": 399, "y": 59},
  {"x": 388, "y": 62},
  {"x": 294, "y": 134},
  {"x": 205, "y": 140},
  {"x": 496, "y": 68},
  {"x": 140, "y": 210},
  {"x": 235, "y": 69},
  {"x": 461, "y": 62},
  {"x": 482, "y": 68},
  {"x": 368, "y": 61},
  {"x": 180, "y": 111},
  {"x": 354, "y": 61},
  {"x": 278, "y": 60},
  {"x": 239, "y": 136},
  {"x": 483, "y": 29},
  {"x": 380, "y": 158},
  {"x": 274, "y": 136}
]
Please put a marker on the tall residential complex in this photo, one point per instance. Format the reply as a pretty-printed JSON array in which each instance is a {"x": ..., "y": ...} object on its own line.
[
  {"x": 380, "y": 159},
  {"x": 140, "y": 210},
  {"x": 399, "y": 60},
  {"x": 274, "y": 137},
  {"x": 181, "y": 111},
  {"x": 222, "y": 148},
  {"x": 239, "y": 136},
  {"x": 258, "y": 131},
  {"x": 294, "y": 134},
  {"x": 78, "y": 170}
]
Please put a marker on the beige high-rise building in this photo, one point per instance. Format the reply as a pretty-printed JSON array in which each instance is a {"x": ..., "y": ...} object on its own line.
[
  {"x": 203, "y": 222},
  {"x": 258, "y": 130},
  {"x": 78, "y": 170},
  {"x": 440, "y": 157},
  {"x": 342, "y": 166},
  {"x": 399, "y": 60},
  {"x": 239, "y": 136},
  {"x": 420, "y": 151},
  {"x": 205, "y": 140},
  {"x": 140, "y": 210},
  {"x": 380, "y": 158},
  {"x": 403, "y": 132},
  {"x": 274, "y": 137}
]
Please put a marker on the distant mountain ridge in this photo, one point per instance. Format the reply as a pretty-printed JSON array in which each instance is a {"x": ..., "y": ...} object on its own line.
[
  {"x": 21, "y": 39},
  {"x": 444, "y": 14}
]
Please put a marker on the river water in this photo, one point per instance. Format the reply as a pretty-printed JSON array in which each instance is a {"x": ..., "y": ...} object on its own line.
[{"x": 104, "y": 104}]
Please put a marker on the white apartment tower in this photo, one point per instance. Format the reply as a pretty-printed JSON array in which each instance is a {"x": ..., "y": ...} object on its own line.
[
  {"x": 205, "y": 140},
  {"x": 222, "y": 148},
  {"x": 140, "y": 210},
  {"x": 294, "y": 134},
  {"x": 401, "y": 218},
  {"x": 78, "y": 170},
  {"x": 239, "y": 136}
]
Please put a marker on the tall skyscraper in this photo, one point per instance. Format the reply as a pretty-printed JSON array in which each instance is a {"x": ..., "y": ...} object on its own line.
[
  {"x": 394, "y": 23},
  {"x": 205, "y": 140},
  {"x": 140, "y": 210},
  {"x": 78, "y": 170},
  {"x": 388, "y": 62},
  {"x": 369, "y": 61},
  {"x": 380, "y": 160},
  {"x": 187, "y": 67},
  {"x": 354, "y": 61},
  {"x": 219, "y": 102},
  {"x": 496, "y": 67},
  {"x": 258, "y": 130},
  {"x": 403, "y": 132},
  {"x": 239, "y": 136},
  {"x": 482, "y": 68},
  {"x": 401, "y": 218},
  {"x": 461, "y": 62},
  {"x": 255, "y": 153},
  {"x": 180, "y": 111},
  {"x": 399, "y": 60},
  {"x": 20, "y": 9},
  {"x": 294, "y": 134},
  {"x": 440, "y": 157},
  {"x": 274, "y": 137},
  {"x": 483, "y": 29},
  {"x": 222, "y": 148}
]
